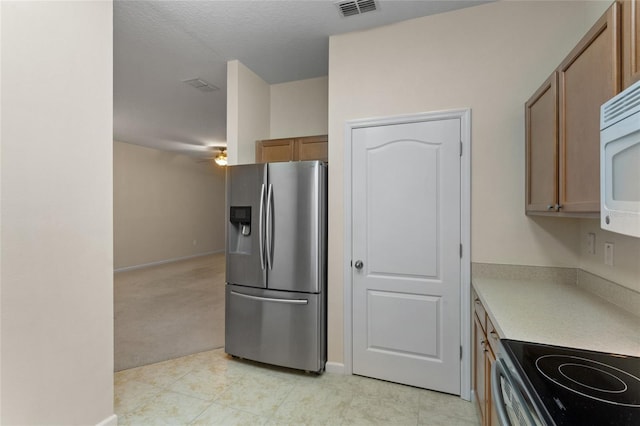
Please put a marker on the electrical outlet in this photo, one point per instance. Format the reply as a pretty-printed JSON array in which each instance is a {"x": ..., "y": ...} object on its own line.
[
  {"x": 608, "y": 254},
  {"x": 591, "y": 243}
]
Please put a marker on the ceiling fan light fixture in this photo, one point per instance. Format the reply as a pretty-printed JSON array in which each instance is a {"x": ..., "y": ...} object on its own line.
[{"x": 221, "y": 158}]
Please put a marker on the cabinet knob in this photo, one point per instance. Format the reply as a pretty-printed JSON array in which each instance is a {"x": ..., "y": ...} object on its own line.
[
  {"x": 359, "y": 264},
  {"x": 550, "y": 207}
]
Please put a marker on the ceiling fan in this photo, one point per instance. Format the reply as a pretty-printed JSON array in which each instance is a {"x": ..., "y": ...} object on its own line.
[
  {"x": 214, "y": 153},
  {"x": 221, "y": 158}
]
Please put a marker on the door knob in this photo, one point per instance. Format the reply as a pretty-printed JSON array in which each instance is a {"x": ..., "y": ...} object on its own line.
[{"x": 359, "y": 264}]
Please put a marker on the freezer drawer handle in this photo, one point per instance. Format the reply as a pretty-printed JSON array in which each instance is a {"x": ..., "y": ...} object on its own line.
[{"x": 271, "y": 299}]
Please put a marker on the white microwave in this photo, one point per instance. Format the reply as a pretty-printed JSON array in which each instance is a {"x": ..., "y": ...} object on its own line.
[{"x": 620, "y": 163}]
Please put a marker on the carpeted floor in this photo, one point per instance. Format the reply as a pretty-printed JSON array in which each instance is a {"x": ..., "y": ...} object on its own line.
[{"x": 168, "y": 311}]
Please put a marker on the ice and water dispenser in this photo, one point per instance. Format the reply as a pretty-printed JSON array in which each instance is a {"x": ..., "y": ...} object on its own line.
[{"x": 240, "y": 229}]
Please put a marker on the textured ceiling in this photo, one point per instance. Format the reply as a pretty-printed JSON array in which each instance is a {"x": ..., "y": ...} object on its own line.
[{"x": 158, "y": 44}]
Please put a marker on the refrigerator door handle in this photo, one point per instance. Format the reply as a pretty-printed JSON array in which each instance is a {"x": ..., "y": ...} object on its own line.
[
  {"x": 271, "y": 299},
  {"x": 269, "y": 226},
  {"x": 260, "y": 226}
]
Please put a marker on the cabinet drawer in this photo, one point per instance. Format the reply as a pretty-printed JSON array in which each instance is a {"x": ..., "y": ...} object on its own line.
[
  {"x": 479, "y": 310},
  {"x": 492, "y": 336}
]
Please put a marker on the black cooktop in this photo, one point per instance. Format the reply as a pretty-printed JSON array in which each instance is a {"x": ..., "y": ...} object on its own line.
[{"x": 580, "y": 387}]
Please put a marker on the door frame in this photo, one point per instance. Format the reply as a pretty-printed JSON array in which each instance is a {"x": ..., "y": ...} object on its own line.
[{"x": 465, "y": 231}]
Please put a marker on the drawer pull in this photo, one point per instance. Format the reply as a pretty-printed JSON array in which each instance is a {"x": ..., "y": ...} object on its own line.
[
  {"x": 271, "y": 299},
  {"x": 494, "y": 335}
]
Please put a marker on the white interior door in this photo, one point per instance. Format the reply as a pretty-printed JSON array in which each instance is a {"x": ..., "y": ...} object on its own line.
[{"x": 406, "y": 253}]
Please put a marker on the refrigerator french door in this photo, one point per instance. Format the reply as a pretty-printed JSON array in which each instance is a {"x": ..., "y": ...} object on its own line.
[{"x": 275, "y": 308}]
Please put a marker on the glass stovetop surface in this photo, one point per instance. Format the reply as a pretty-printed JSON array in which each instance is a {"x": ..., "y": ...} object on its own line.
[{"x": 580, "y": 387}]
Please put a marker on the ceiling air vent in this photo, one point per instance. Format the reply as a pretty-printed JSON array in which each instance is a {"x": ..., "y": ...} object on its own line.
[
  {"x": 201, "y": 85},
  {"x": 356, "y": 7}
]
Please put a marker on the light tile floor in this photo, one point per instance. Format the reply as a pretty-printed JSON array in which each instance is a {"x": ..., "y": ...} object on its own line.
[{"x": 211, "y": 388}]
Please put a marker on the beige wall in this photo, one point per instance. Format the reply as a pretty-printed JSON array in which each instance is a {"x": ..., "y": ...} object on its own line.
[
  {"x": 56, "y": 215},
  {"x": 626, "y": 264},
  {"x": 490, "y": 58},
  {"x": 299, "y": 108},
  {"x": 247, "y": 112},
  {"x": 257, "y": 110},
  {"x": 164, "y": 202}
]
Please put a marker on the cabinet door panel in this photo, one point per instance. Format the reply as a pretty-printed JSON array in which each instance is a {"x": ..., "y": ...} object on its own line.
[
  {"x": 481, "y": 314},
  {"x": 589, "y": 76},
  {"x": 313, "y": 148},
  {"x": 630, "y": 42},
  {"x": 276, "y": 150},
  {"x": 541, "y": 137}
]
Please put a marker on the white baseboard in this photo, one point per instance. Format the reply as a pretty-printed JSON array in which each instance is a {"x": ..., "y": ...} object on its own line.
[
  {"x": 160, "y": 262},
  {"x": 334, "y": 367},
  {"x": 112, "y": 420}
]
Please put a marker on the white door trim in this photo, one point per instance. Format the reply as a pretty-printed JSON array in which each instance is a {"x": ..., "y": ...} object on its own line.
[{"x": 465, "y": 232}]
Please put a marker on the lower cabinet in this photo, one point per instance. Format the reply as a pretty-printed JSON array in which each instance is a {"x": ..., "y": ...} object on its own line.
[
  {"x": 485, "y": 344},
  {"x": 479, "y": 371}
]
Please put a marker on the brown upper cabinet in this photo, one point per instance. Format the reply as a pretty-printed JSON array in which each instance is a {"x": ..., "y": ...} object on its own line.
[
  {"x": 541, "y": 138},
  {"x": 630, "y": 42},
  {"x": 274, "y": 150},
  {"x": 588, "y": 77},
  {"x": 292, "y": 149},
  {"x": 566, "y": 180}
]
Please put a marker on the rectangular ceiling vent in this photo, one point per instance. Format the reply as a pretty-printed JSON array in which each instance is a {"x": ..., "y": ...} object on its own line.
[
  {"x": 201, "y": 85},
  {"x": 356, "y": 7}
]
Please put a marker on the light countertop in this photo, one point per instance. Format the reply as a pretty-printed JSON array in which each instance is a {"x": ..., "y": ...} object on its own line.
[{"x": 558, "y": 314}]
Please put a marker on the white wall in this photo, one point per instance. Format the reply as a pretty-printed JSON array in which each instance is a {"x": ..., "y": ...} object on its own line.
[
  {"x": 56, "y": 214},
  {"x": 490, "y": 58},
  {"x": 299, "y": 108},
  {"x": 162, "y": 203},
  {"x": 247, "y": 112}
]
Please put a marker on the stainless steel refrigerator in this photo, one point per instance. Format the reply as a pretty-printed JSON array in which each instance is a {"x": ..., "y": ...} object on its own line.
[{"x": 276, "y": 272}]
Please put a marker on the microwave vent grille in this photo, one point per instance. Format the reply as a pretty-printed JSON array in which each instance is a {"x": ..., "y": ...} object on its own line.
[{"x": 621, "y": 106}]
